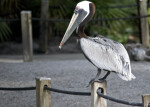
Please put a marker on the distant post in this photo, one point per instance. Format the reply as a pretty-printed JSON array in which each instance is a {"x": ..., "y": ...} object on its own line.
[
  {"x": 26, "y": 26},
  {"x": 144, "y": 23},
  {"x": 43, "y": 39},
  {"x": 97, "y": 101}
]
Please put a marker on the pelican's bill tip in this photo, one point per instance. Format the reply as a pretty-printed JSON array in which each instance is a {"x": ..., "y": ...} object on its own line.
[{"x": 59, "y": 47}]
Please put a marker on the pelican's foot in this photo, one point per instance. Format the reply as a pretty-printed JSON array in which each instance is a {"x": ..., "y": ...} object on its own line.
[
  {"x": 92, "y": 81},
  {"x": 101, "y": 80}
]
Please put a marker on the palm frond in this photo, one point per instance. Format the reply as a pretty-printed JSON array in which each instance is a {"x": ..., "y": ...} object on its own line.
[
  {"x": 5, "y": 31},
  {"x": 113, "y": 28}
]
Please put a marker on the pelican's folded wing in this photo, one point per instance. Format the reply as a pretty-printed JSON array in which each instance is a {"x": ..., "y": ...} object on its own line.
[{"x": 108, "y": 55}]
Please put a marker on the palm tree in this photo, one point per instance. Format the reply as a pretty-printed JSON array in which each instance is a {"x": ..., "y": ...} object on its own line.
[
  {"x": 7, "y": 7},
  {"x": 113, "y": 28},
  {"x": 63, "y": 9}
]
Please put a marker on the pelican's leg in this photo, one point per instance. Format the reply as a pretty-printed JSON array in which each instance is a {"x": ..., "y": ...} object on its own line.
[
  {"x": 102, "y": 79},
  {"x": 96, "y": 78}
]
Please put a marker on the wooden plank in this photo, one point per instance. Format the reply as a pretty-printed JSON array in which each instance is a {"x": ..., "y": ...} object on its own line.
[
  {"x": 144, "y": 23},
  {"x": 26, "y": 26},
  {"x": 97, "y": 101},
  {"x": 43, "y": 39},
  {"x": 43, "y": 97},
  {"x": 146, "y": 100}
]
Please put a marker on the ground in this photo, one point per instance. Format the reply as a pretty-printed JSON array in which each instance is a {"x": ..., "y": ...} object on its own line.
[{"x": 69, "y": 72}]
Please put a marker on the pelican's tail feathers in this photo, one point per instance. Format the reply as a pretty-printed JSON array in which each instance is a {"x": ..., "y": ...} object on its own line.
[
  {"x": 126, "y": 78},
  {"x": 123, "y": 77},
  {"x": 132, "y": 76}
]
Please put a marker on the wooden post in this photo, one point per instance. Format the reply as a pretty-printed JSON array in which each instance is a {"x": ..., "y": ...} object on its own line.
[
  {"x": 26, "y": 26},
  {"x": 97, "y": 101},
  {"x": 43, "y": 39},
  {"x": 146, "y": 100},
  {"x": 144, "y": 23},
  {"x": 43, "y": 97}
]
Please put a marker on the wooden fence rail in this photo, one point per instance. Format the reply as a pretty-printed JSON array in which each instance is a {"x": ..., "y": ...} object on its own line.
[{"x": 43, "y": 97}]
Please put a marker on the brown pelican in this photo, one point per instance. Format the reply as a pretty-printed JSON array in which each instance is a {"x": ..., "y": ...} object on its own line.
[{"x": 105, "y": 54}]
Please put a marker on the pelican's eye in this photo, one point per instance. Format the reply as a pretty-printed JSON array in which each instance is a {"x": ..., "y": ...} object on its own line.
[
  {"x": 75, "y": 11},
  {"x": 78, "y": 10}
]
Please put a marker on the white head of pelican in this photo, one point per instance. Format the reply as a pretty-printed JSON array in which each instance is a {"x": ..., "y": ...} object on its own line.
[{"x": 81, "y": 13}]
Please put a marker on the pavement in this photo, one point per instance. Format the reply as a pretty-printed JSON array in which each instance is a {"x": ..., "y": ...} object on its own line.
[{"x": 69, "y": 72}]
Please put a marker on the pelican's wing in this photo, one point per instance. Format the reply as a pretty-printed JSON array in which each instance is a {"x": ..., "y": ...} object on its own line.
[{"x": 108, "y": 55}]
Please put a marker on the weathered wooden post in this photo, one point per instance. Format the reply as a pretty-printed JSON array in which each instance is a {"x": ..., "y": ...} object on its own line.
[
  {"x": 26, "y": 25},
  {"x": 144, "y": 23},
  {"x": 43, "y": 39},
  {"x": 97, "y": 101},
  {"x": 43, "y": 97},
  {"x": 146, "y": 100}
]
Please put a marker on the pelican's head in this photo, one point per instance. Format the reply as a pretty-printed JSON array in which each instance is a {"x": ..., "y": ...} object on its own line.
[{"x": 82, "y": 12}]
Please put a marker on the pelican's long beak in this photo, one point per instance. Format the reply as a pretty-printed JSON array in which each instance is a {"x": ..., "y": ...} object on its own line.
[{"x": 74, "y": 23}]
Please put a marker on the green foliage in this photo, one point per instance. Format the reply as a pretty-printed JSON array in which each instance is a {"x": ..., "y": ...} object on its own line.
[
  {"x": 12, "y": 6},
  {"x": 115, "y": 29},
  {"x": 63, "y": 9},
  {"x": 112, "y": 29},
  {"x": 149, "y": 14},
  {"x": 4, "y": 31},
  {"x": 60, "y": 9},
  {"x": 33, "y": 5}
]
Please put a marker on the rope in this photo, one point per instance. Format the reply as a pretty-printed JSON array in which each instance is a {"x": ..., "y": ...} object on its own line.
[
  {"x": 117, "y": 100},
  {"x": 51, "y": 20},
  {"x": 74, "y": 93},
  {"x": 67, "y": 20},
  {"x": 119, "y": 6},
  {"x": 17, "y": 89},
  {"x": 67, "y": 92},
  {"x": 9, "y": 20},
  {"x": 121, "y": 18},
  {"x": 101, "y": 19}
]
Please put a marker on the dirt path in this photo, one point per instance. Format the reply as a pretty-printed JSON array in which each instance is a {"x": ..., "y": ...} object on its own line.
[{"x": 70, "y": 72}]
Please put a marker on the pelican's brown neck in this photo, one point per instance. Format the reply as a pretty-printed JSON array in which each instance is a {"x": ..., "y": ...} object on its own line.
[{"x": 80, "y": 30}]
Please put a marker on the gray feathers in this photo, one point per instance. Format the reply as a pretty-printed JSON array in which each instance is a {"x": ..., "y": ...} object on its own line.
[{"x": 107, "y": 54}]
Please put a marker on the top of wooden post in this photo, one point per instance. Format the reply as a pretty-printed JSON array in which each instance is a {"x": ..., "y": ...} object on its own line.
[
  {"x": 43, "y": 78},
  {"x": 45, "y": 0},
  {"x": 97, "y": 101},
  {"x": 25, "y": 12},
  {"x": 146, "y": 100}
]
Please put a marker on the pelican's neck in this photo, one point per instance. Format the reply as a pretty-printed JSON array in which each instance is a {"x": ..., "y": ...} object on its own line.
[{"x": 80, "y": 30}]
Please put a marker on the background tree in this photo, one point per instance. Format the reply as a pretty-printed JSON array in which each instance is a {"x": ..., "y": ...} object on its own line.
[
  {"x": 62, "y": 9},
  {"x": 8, "y": 9}
]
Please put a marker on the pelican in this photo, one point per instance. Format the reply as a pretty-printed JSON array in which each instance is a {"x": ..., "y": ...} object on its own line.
[{"x": 105, "y": 54}]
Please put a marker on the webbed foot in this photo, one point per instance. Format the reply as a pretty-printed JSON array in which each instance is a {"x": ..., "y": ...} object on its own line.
[
  {"x": 101, "y": 80},
  {"x": 93, "y": 80}
]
